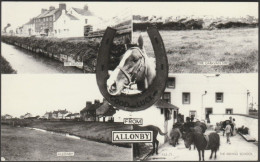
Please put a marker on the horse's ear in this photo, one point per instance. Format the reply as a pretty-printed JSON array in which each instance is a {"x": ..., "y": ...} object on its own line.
[{"x": 140, "y": 42}]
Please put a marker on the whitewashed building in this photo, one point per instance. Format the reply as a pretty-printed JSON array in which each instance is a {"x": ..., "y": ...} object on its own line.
[
  {"x": 29, "y": 28},
  {"x": 193, "y": 95},
  {"x": 67, "y": 25},
  {"x": 201, "y": 94},
  {"x": 87, "y": 19},
  {"x": 161, "y": 114}
]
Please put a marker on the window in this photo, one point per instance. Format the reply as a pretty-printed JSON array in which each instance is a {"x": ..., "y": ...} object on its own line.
[
  {"x": 161, "y": 111},
  {"x": 86, "y": 21},
  {"x": 171, "y": 82},
  {"x": 185, "y": 98},
  {"x": 229, "y": 111},
  {"x": 219, "y": 97},
  {"x": 167, "y": 97}
]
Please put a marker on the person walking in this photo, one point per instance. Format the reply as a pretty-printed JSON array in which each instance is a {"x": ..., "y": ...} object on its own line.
[
  {"x": 234, "y": 127},
  {"x": 228, "y": 131}
]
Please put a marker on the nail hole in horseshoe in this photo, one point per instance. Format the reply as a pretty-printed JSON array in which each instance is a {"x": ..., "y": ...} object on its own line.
[
  {"x": 156, "y": 40},
  {"x": 161, "y": 66},
  {"x": 102, "y": 67},
  {"x": 107, "y": 41}
]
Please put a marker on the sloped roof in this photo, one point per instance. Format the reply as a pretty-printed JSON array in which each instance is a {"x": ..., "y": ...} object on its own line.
[
  {"x": 105, "y": 110},
  {"x": 72, "y": 17},
  {"x": 60, "y": 111},
  {"x": 69, "y": 115},
  {"x": 30, "y": 22},
  {"x": 165, "y": 105},
  {"x": 51, "y": 12},
  {"x": 83, "y": 12},
  {"x": 42, "y": 14},
  {"x": 91, "y": 107}
]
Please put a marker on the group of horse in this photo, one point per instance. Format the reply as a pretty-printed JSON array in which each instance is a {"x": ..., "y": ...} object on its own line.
[
  {"x": 190, "y": 132},
  {"x": 193, "y": 133}
]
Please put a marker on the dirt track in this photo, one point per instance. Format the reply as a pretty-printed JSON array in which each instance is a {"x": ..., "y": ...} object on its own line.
[{"x": 31, "y": 145}]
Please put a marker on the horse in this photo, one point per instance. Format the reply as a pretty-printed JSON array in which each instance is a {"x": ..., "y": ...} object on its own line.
[
  {"x": 202, "y": 143},
  {"x": 135, "y": 67},
  {"x": 202, "y": 125},
  {"x": 174, "y": 136},
  {"x": 155, "y": 130}
]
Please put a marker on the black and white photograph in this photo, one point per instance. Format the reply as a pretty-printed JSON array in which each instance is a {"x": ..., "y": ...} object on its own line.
[
  {"x": 129, "y": 81},
  {"x": 59, "y": 37},
  {"x": 58, "y": 118},
  {"x": 203, "y": 37}
]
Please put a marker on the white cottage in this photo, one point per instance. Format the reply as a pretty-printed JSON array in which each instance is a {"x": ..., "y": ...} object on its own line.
[
  {"x": 67, "y": 25},
  {"x": 162, "y": 114},
  {"x": 200, "y": 94},
  {"x": 88, "y": 21}
]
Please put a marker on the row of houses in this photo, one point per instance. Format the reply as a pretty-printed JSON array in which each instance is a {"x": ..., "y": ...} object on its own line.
[
  {"x": 61, "y": 114},
  {"x": 61, "y": 22},
  {"x": 98, "y": 111}
]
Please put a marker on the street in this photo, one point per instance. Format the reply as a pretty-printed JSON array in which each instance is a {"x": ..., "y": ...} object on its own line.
[{"x": 238, "y": 150}]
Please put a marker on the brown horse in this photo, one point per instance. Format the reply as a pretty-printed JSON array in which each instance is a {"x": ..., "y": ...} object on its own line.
[
  {"x": 135, "y": 67},
  {"x": 202, "y": 144},
  {"x": 155, "y": 130},
  {"x": 174, "y": 136},
  {"x": 196, "y": 129}
]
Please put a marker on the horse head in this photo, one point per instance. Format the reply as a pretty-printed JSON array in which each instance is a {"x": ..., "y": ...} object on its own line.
[
  {"x": 188, "y": 139},
  {"x": 133, "y": 68}
]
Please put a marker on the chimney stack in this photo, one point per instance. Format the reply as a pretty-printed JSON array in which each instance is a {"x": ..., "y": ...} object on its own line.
[
  {"x": 52, "y": 8},
  {"x": 88, "y": 103},
  {"x": 43, "y": 10},
  {"x": 62, "y": 6},
  {"x": 85, "y": 7},
  {"x": 97, "y": 102}
]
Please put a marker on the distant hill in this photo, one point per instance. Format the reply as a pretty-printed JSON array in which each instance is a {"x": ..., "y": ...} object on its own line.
[{"x": 192, "y": 22}]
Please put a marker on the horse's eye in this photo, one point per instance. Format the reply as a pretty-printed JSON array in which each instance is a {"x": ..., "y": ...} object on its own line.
[{"x": 135, "y": 60}]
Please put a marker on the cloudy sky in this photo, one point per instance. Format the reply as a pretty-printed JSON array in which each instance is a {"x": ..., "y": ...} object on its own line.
[{"x": 38, "y": 93}]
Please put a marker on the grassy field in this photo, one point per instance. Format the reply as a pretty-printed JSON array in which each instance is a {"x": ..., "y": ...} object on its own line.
[
  {"x": 96, "y": 131},
  {"x": 185, "y": 49},
  {"x": 6, "y": 68},
  {"x": 21, "y": 144}
]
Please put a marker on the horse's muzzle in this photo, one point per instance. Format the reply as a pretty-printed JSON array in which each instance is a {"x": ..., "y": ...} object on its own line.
[{"x": 112, "y": 89}]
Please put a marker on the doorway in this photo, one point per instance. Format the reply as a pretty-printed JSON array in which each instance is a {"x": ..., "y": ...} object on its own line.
[{"x": 208, "y": 111}]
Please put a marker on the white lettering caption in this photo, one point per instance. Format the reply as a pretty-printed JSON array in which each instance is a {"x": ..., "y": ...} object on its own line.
[
  {"x": 73, "y": 63},
  {"x": 136, "y": 121}
]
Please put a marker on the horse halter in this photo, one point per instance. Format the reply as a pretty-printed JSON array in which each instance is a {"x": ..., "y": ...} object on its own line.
[{"x": 129, "y": 76}]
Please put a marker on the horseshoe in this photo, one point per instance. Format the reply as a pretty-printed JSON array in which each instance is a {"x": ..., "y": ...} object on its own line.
[{"x": 134, "y": 102}]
